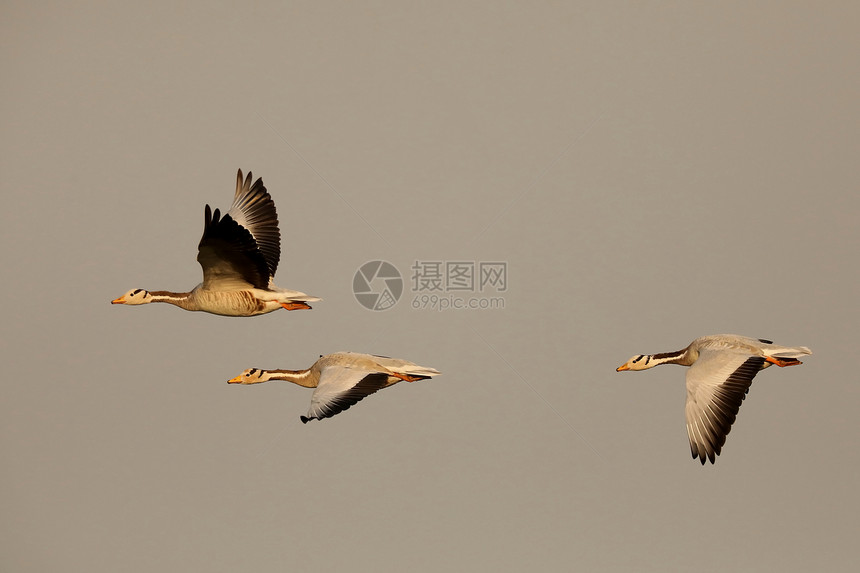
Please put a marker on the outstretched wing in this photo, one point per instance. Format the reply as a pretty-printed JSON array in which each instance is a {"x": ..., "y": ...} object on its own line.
[
  {"x": 242, "y": 248},
  {"x": 229, "y": 255},
  {"x": 717, "y": 383},
  {"x": 254, "y": 209},
  {"x": 339, "y": 388}
]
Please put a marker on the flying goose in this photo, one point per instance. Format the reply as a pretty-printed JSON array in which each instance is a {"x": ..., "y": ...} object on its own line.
[
  {"x": 341, "y": 379},
  {"x": 239, "y": 253},
  {"x": 722, "y": 368}
]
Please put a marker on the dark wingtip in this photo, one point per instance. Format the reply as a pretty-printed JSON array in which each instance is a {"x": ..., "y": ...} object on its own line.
[
  {"x": 212, "y": 217},
  {"x": 304, "y": 419}
]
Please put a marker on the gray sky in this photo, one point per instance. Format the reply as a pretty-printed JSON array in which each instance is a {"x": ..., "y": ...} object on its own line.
[{"x": 649, "y": 173}]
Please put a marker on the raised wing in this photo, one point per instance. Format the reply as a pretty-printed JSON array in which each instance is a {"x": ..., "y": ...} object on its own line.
[
  {"x": 254, "y": 209},
  {"x": 717, "y": 383},
  {"x": 229, "y": 255},
  {"x": 339, "y": 388}
]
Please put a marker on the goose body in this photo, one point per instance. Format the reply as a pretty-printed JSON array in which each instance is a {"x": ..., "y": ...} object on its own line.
[
  {"x": 239, "y": 254},
  {"x": 341, "y": 379},
  {"x": 722, "y": 368}
]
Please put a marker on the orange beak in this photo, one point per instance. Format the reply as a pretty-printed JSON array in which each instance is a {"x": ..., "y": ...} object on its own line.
[
  {"x": 119, "y": 300},
  {"x": 622, "y": 368},
  {"x": 236, "y": 380}
]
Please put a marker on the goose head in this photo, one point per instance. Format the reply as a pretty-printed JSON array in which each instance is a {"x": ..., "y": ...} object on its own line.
[
  {"x": 250, "y": 376},
  {"x": 135, "y": 296},
  {"x": 636, "y": 363}
]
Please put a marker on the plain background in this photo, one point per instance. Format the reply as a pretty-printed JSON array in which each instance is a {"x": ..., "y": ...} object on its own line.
[{"x": 650, "y": 172}]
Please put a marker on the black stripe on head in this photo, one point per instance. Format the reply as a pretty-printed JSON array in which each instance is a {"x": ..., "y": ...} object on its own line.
[
  {"x": 638, "y": 358},
  {"x": 251, "y": 371},
  {"x": 136, "y": 291}
]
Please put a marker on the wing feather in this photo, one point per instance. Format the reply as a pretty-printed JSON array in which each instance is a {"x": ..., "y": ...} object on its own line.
[
  {"x": 229, "y": 256},
  {"x": 717, "y": 384},
  {"x": 339, "y": 388},
  {"x": 254, "y": 209}
]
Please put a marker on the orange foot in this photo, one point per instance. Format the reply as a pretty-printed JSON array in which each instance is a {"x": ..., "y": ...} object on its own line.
[
  {"x": 407, "y": 377},
  {"x": 295, "y": 306},
  {"x": 782, "y": 362}
]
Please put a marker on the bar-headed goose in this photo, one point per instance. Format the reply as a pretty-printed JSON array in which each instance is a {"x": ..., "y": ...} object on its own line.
[
  {"x": 239, "y": 253},
  {"x": 341, "y": 379},
  {"x": 722, "y": 368}
]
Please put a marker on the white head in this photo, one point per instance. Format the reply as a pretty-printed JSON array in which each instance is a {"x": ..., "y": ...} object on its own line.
[
  {"x": 136, "y": 296},
  {"x": 250, "y": 376},
  {"x": 637, "y": 362}
]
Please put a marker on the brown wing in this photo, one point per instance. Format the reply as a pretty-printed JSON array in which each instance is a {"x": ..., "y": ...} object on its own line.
[
  {"x": 254, "y": 210},
  {"x": 229, "y": 255}
]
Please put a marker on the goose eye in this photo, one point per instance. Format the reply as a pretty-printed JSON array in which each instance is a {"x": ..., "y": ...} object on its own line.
[{"x": 637, "y": 359}]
